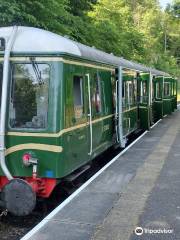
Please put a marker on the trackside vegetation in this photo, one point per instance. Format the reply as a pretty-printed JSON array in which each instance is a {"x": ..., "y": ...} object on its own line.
[{"x": 138, "y": 30}]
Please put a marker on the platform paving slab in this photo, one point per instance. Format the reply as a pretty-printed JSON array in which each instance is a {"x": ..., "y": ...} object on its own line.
[
  {"x": 162, "y": 209},
  {"x": 136, "y": 190}
]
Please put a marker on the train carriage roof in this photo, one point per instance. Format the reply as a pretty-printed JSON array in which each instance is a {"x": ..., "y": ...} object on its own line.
[{"x": 34, "y": 41}]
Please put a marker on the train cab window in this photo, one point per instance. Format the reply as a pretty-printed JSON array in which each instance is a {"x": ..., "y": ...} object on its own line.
[
  {"x": 29, "y": 95},
  {"x": 78, "y": 96},
  {"x": 96, "y": 98},
  {"x": 167, "y": 89}
]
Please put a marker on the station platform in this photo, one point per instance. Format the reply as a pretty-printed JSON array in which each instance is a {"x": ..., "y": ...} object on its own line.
[{"x": 140, "y": 188}]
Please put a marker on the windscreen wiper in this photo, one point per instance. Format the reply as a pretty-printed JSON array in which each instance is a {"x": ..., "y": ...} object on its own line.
[{"x": 37, "y": 72}]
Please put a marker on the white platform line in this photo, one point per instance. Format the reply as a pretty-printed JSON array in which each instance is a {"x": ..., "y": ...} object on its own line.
[
  {"x": 155, "y": 123},
  {"x": 73, "y": 195}
]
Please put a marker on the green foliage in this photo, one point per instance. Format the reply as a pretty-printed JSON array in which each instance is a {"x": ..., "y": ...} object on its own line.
[
  {"x": 80, "y": 7},
  {"x": 175, "y": 8},
  {"x": 49, "y": 14},
  {"x": 135, "y": 29},
  {"x": 114, "y": 30}
]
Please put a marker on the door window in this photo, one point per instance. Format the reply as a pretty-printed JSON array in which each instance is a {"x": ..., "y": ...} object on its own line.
[
  {"x": 144, "y": 94},
  {"x": 158, "y": 90},
  {"x": 96, "y": 97},
  {"x": 78, "y": 96},
  {"x": 130, "y": 92},
  {"x": 167, "y": 89}
]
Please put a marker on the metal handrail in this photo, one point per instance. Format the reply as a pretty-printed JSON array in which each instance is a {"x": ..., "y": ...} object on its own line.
[
  {"x": 3, "y": 103},
  {"x": 116, "y": 113},
  {"x": 90, "y": 113},
  {"x": 122, "y": 139}
]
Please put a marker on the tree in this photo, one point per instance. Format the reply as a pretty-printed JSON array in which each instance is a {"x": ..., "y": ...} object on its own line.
[
  {"x": 80, "y": 7},
  {"x": 175, "y": 8},
  {"x": 134, "y": 29},
  {"x": 50, "y": 14},
  {"x": 114, "y": 30}
]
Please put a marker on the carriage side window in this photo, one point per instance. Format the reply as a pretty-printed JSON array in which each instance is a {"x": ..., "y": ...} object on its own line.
[
  {"x": 29, "y": 95},
  {"x": 167, "y": 90},
  {"x": 78, "y": 96}
]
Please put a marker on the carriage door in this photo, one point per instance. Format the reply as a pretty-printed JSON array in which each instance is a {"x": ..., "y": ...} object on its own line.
[
  {"x": 167, "y": 100},
  {"x": 79, "y": 134},
  {"x": 158, "y": 97},
  {"x": 144, "y": 101}
]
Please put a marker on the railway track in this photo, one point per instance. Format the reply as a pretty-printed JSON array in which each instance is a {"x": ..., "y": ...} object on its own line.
[{"x": 13, "y": 227}]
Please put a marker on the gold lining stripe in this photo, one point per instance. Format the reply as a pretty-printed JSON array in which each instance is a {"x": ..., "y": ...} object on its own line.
[
  {"x": 127, "y": 72},
  {"x": 35, "y": 146},
  {"x": 143, "y": 107},
  {"x": 28, "y": 134},
  {"x": 60, "y": 59},
  {"x": 129, "y": 109},
  {"x": 144, "y": 73}
]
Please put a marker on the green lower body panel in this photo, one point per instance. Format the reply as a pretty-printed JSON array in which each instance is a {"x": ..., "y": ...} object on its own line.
[
  {"x": 174, "y": 103},
  {"x": 130, "y": 120},
  {"x": 167, "y": 106},
  {"x": 157, "y": 110},
  {"x": 144, "y": 116}
]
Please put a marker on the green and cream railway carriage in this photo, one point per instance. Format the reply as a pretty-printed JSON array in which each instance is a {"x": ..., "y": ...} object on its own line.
[{"x": 62, "y": 104}]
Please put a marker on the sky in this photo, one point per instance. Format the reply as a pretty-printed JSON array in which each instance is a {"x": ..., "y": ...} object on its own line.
[{"x": 164, "y": 2}]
